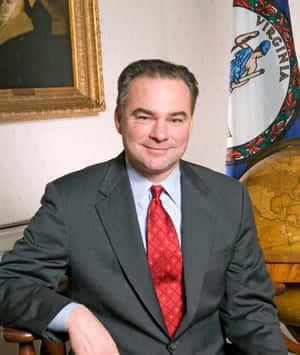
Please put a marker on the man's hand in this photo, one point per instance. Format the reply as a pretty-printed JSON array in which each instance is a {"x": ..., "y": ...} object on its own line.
[{"x": 87, "y": 334}]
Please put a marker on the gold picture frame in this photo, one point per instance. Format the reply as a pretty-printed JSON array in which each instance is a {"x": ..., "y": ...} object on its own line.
[{"x": 85, "y": 96}]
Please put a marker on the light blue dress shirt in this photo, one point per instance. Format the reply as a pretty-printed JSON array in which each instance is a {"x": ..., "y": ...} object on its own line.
[
  {"x": 141, "y": 190},
  {"x": 170, "y": 198}
]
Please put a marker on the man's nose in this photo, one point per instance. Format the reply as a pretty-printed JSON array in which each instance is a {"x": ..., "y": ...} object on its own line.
[{"x": 159, "y": 131}]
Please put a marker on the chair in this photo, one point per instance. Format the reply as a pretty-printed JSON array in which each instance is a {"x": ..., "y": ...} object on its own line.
[{"x": 25, "y": 339}]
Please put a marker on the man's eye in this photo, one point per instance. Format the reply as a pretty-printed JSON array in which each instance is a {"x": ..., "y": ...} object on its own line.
[
  {"x": 176, "y": 120},
  {"x": 143, "y": 118}
]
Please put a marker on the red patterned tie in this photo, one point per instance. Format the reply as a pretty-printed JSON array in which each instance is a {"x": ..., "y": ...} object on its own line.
[{"x": 165, "y": 261}]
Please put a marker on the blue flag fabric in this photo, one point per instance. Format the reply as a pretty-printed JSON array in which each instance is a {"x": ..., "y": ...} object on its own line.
[{"x": 264, "y": 81}]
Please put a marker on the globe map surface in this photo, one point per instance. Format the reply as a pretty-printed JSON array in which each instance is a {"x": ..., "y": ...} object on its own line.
[{"x": 274, "y": 187}]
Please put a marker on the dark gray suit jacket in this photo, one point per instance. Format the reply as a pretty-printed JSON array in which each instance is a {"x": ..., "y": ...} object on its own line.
[{"x": 87, "y": 228}]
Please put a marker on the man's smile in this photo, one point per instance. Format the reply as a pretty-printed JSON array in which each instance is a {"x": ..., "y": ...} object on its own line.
[{"x": 157, "y": 149}]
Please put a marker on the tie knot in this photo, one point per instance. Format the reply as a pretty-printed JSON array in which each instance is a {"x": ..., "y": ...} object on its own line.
[{"x": 156, "y": 191}]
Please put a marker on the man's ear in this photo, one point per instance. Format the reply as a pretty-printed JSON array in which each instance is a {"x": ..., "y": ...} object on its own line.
[{"x": 118, "y": 118}]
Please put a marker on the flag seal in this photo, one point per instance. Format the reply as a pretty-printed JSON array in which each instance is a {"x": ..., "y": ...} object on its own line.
[{"x": 272, "y": 63}]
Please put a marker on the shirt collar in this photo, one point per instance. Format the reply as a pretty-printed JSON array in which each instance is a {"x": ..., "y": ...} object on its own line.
[{"x": 140, "y": 185}]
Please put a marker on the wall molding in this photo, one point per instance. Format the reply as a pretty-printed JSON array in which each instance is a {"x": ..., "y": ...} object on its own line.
[{"x": 9, "y": 235}]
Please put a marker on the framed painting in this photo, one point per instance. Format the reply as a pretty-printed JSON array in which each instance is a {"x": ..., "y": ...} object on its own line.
[{"x": 50, "y": 59}]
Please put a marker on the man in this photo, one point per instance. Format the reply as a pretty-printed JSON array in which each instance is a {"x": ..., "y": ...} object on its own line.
[{"x": 162, "y": 255}]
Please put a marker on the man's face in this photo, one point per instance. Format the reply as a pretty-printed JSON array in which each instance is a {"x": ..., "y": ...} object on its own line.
[
  {"x": 156, "y": 125},
  {"x": 9, "y": 8}
]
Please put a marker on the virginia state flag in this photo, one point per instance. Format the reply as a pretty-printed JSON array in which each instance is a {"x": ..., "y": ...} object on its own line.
[{"x": 264, "y": 82}]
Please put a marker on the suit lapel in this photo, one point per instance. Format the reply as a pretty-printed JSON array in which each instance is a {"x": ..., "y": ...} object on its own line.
[
  {"x": 117, "y": 213},
  {"x": 197, "y": 236},
  {"x": 116, "y": 210}
]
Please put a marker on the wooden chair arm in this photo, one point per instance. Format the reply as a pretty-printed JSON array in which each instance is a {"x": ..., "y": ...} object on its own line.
[
  {"x": 12, "y": 335},
  {"x": 25, "y": 339}
]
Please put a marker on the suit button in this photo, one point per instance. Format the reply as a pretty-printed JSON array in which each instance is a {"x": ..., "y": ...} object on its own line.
[{"x": 172, "y": 347}]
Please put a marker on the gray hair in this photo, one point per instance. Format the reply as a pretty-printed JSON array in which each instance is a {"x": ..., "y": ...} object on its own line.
[{"x": 155, "y": 68}]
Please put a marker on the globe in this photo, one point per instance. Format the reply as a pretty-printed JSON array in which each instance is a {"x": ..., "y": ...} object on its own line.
[
  {"x": 274, "y": 187},
  {"x": 273, "y": 182}
]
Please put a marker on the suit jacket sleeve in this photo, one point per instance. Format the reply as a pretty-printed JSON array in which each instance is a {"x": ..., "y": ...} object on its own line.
[
  {"x": 248, "y": 314},
  {"x": 30, "y": 272}
]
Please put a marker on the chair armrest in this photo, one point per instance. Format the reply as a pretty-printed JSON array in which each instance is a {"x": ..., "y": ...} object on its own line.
[
  {"x": 25, "y": 339},
  {"x": 12, "y": 335}
]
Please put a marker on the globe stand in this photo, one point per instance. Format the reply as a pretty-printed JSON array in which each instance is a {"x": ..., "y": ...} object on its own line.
[
  {"x": 291, "y": 345},
  {"x": 285, "y": 273}
]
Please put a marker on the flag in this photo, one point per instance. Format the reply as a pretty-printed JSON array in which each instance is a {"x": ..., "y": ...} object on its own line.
[{"x": 264, "y": 82}]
